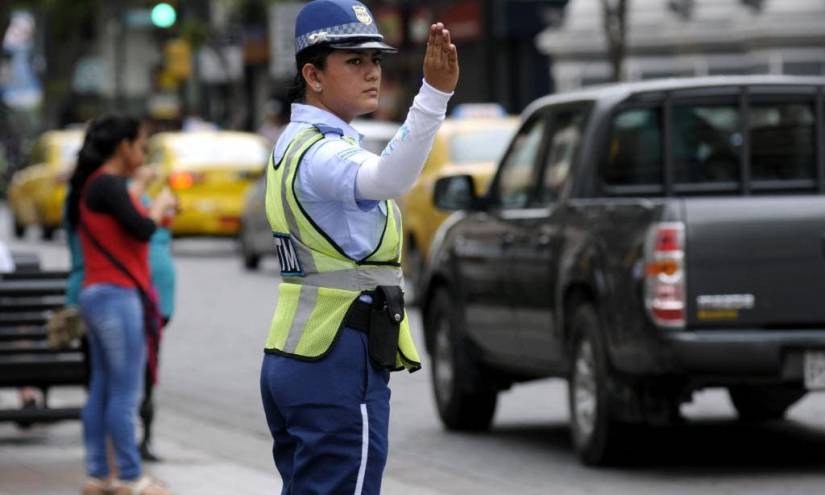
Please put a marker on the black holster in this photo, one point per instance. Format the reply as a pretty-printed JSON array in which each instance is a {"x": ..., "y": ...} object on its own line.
[{"x": 386, "y": 315}]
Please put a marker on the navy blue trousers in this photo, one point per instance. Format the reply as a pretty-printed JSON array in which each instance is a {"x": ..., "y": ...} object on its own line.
[{"x": 329, "y": 419}]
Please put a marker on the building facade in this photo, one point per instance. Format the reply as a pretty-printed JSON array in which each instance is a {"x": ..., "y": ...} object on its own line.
[{"x": 677, "y": 38}]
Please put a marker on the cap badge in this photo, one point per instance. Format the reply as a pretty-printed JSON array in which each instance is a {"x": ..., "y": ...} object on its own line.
[
  {"x": 362, "y": 14},
  {"x": 317, "y": 37}
]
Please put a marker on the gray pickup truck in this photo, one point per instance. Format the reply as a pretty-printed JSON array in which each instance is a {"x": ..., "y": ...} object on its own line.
[{"x": 643, "y": 241}]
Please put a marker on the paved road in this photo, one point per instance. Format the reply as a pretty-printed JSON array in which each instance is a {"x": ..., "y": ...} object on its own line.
[{"x": 209, "y": 401}]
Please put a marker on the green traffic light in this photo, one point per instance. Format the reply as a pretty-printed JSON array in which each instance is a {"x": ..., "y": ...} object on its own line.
[{"x": 163, "y": 15}]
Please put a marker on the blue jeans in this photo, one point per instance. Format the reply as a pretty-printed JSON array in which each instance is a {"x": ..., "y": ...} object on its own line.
[
  {"x": 329, "y": 419},
  {"x": 117, "y": 349}
]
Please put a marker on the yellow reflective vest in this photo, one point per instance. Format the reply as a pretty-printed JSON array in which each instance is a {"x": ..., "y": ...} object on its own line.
[{"x": 319, "y": 281}]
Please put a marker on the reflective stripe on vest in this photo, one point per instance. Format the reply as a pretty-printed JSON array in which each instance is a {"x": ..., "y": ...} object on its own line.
[{"x": 319, "y": 281}]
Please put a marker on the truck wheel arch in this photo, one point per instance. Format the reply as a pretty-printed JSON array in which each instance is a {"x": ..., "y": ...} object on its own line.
[
  {"x": 434, "y": 285},
  {"x": 574, "y": 295}
]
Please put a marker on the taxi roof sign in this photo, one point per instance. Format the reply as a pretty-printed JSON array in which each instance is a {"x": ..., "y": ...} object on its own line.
[{"x": 478, "y": 110}]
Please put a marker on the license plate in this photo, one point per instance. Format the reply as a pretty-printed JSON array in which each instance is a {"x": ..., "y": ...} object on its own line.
[{"x": 814, "y": 364}]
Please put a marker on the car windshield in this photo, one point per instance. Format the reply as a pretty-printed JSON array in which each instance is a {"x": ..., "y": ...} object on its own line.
[
  {"x": 480, "y": 145},
  {"x": 236, "y": 151}
]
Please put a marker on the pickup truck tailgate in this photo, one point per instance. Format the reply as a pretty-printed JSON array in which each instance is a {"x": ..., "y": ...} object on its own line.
[{"x": 756, "y": 262}]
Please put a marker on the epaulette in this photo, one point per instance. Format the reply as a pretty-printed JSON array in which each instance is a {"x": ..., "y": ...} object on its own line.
[{"x": 328, "y": 129}]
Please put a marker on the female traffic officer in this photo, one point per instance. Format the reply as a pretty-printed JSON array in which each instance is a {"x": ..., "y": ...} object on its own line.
[{"x": 339, "y": 326}]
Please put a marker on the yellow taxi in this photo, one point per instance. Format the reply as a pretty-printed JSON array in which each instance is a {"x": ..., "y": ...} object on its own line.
[
  {"x": 37, "y": 192},
  {"x": 462, "y": 146},
  {"x": 209, "y": 172}
]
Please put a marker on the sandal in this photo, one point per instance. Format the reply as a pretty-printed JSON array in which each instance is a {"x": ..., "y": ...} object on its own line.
[
  {"x": 96, "y": 486},
  {"x": 142, "y": 486}
]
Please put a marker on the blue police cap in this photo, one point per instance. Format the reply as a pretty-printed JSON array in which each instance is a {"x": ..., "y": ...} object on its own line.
[{"x": 342, "y": 24}]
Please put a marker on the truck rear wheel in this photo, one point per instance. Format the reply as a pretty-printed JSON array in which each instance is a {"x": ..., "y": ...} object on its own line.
[
  {"x": 763, "y": 402},
  {"x": 465, "y": 402},
  {"x": 596, "y": 434}
]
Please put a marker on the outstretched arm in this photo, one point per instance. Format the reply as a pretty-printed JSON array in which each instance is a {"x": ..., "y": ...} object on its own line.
[{"x": 396, "y": 171}]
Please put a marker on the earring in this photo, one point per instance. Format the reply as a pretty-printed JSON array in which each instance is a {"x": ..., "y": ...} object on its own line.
[{"x": 317, "y": 87}]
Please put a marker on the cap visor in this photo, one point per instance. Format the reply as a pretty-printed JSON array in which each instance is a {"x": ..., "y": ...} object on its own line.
[{"x": 364, "y": 45}]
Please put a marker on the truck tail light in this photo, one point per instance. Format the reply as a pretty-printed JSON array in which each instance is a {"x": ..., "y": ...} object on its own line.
[{"x": 665, "y": 275}]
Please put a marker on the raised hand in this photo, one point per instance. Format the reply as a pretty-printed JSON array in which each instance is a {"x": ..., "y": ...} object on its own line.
[{"x": 441, "y": 60}]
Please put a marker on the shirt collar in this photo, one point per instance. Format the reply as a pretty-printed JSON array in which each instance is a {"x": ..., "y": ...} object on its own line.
[{"x": 309, "y": 114}]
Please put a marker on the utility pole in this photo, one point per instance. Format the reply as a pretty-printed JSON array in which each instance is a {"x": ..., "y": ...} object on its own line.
[
  {"x": 119, "y": 29},
  {"x": 615, "y": 30}
]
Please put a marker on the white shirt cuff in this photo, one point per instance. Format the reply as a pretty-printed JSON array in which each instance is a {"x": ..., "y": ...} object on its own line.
[{"x": 433, "y": 100}]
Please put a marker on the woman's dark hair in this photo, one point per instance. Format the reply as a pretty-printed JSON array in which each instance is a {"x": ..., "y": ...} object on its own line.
[
  {"x": 103, "y": 135},
  {"x": 315, "y": 55}
]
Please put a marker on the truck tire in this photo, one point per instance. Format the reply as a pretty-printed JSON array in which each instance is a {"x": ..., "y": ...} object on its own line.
[
  {"x": 465, "y": 402},
  {"x": 595, "y": 432},
  {"x": 763, "y": 402}
]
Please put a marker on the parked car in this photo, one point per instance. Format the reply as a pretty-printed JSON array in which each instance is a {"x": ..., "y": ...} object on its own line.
[
  {"x": 255, "y": 237},
  {"x": 461, "y": 146},
  {"x": 643, "y": 241},
  {"x": 37, "y": 192},
  {"x": 210, "y": 172}
]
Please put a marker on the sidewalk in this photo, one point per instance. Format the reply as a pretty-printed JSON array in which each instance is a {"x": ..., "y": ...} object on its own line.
[
  {"x": 48, "y": 460},
  {"x": 199, "y": 458}
]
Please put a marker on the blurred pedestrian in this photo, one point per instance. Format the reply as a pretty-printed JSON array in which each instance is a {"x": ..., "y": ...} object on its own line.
[
  {"x": 162, "y": 271},
  {"x": 162, "y": 268},
  {"x": 340, "y": 325},
  {"x": 274, "y": 122},
  {"x": 114, "y": 229}
]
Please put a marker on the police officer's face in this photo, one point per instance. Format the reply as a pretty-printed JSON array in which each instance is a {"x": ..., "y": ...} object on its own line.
[{"x": 351, "y": 82}]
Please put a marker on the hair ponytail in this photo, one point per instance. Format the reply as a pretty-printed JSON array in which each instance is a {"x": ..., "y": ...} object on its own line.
[{"x": 103, "y": 135}]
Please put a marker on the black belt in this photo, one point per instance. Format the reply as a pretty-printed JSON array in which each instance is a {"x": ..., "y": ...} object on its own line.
[{"x": 358, "y": 316}]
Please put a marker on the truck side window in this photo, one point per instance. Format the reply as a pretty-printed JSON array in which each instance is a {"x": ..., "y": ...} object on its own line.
[
  {"x": 783, "y": 141},
  {"x": 706, "y": 143},
  {"x": 517, "y": 179},
  {"x": 564, "y": 144},
  {"x": 634, "y": 156}
]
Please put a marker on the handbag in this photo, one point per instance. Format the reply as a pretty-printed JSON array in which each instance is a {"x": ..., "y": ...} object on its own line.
[
  {"x": 65, "y": 328},
  {"x": 152, "y": 319}
]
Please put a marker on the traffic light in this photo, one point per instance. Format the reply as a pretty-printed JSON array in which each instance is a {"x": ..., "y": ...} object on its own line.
[{"x": 163, "y": 15}]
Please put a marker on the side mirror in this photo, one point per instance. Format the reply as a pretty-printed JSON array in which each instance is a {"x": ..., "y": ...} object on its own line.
[{"x": 455, "y": 192}]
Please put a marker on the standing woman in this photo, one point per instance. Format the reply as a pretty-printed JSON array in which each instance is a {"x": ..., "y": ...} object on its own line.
[
  {"x": 114, "y": 229},
  {"x": 340, "y": 326}
]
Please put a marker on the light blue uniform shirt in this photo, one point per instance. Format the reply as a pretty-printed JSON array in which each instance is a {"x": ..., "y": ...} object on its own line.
[{"x": 325, "y": 185}]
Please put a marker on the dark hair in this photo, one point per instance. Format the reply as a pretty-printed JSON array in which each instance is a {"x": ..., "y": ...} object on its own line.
[
  {"x": 315, "y": 55},
  {"x": 103, "y": 135}
]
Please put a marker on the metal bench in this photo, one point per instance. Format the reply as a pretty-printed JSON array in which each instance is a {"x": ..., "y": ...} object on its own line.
[{"x": 27, "y": 299}]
